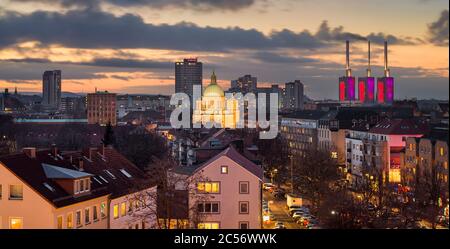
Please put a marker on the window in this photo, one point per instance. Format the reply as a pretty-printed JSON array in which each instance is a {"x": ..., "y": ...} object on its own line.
[
  {"x": 208, "y": 207},
  {"x": 59, "y": 222},
  {"x": 243, "y": 225},
  {"x": 208, "y": 225},
  {"x": 15, "y": 223},
  {"x": 49, "y": 187},
  {"x": 116, "y": 211},
  {"x": 87, "y": 216},
  {"x": 123, "y": 209},
  {"x": 243, "y": 187},
  {"x": 15, "y": 192},
  {"x": 125, "y": 173},
  {"x": 94, "y": 213},
  {"x": 110, "y": 174},
  {"x": 87, "y": 184},
  {"x": 81, "y": 186},
  {"x": 243, "y": 207},
  {"x": 441, "y": 151},
  {"x": 101, "y": 177},
  {"x": 69, "y": 220},
  {"x": 103, "y": 210},
  {"x": 208, "y": 187},
  {"x": 78, "y": 218},
  {"x": 224, "y": 169}
]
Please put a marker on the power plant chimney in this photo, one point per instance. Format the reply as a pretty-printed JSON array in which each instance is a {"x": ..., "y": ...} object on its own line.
[
  {"x": 369, "y": 70},
  {"x": 386, "y": 67},
  {"x": 347, "y": 67}
]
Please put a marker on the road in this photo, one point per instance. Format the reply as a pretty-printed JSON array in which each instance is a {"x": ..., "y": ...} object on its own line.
[{"x": 278, "y": 209}]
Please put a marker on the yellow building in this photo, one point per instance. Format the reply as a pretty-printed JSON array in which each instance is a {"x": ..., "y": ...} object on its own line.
[{"x": 215, "y": 108}]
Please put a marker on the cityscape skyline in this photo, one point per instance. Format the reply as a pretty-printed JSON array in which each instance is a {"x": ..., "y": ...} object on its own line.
[{"x": 311, "y": 51}]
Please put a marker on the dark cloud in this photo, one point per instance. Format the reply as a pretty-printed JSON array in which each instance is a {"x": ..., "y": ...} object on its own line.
[
  {"x": 160, "y": 4},
  {"x": 438, "y": 30},
  {"x": 269, "y": 57},
  {"x": 97, "y": 29}
]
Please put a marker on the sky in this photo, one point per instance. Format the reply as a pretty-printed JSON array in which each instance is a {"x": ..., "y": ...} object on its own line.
[{"x": 130, "y": 46}]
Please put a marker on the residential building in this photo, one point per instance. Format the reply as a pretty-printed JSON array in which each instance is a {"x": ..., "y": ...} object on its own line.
[
  {"x": 294, "y": 95},
  {"x": 47, "y": 189},
  {"x": 101, "y": 108},
  {"x": 225, "y": 192},
  {"x": 244, "y": 84},
  {"x": 188, "y": 73},
  {"x": 51, "y": 89},
  {"x": 300, "y": 130}
]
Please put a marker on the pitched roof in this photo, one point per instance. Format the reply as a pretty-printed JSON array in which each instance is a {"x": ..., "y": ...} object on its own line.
[
  {"x": 111, "y": 174},
  {"x": 400, "y": 127},
  {"x": 311, "y": 115},
  {"x": 231, "y": 153}
]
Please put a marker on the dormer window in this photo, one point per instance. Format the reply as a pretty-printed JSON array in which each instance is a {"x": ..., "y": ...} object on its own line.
[
  {"x": 110, "y": 174},
  {"x": 82, "y": 185}
]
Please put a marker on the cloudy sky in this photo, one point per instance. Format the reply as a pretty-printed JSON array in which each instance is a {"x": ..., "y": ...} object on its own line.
[{"x": 130, "y": 46}]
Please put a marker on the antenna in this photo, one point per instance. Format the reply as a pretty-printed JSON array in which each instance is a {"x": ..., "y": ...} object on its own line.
[
  {"x": 386, "y": 67},
  {"x": 369, "y": 70},
  {"x": 347, "y": 53}
]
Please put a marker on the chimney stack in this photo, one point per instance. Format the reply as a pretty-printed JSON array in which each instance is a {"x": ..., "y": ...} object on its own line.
[
  {"x": 81, "y": 165},
  {"x": 54, "y": 150},
  {"x": 347, "y": 55},
  {"x": 30, "y": 152},
  {"x": 386, "y": 67},
  {"x": 369, "y": 69}
]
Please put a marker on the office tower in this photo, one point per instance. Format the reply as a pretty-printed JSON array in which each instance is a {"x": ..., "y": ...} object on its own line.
[
  {"x": 293, "y": 95},
  {"x": 51, "y": 89},
  {"x": 385, "y": 85},
  {"x": 244, "y": 84},
  {"x": 347, "y": 83},
  {"x": 101, "y": 108},
  {"x": 366, "y": 85},
  {"x": 187, "y": 74}
]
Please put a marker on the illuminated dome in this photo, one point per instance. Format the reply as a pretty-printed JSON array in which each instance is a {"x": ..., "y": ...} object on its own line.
[{"x": 213, "y": 90}]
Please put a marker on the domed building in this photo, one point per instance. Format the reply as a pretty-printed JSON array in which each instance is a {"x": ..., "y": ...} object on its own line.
[{"x": 215, "y": 107}]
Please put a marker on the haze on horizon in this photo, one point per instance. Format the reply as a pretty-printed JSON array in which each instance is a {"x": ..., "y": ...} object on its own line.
[{"x": 131, "y": 46}]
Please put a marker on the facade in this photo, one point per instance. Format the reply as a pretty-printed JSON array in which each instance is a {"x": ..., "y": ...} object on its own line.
[
  {"x": 294, "y": 95},
  {"x": 51, "y": 89},
  {"x": 225, "y": 191},
  {"x": 76, "y": 190},
  {"x": 244, "y": 84},
  {"x": 73, "y": 105},
  {"x": 101, "y": 108},
  {"x": 188, "y": 73},
  {"x": 216, "y": 108},
  {"x": 300, "y": 130}
]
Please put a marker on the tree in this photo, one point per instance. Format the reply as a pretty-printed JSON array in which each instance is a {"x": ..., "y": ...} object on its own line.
[
  {"x": 274, "y": 158},
  {"x": 170, "y": 204},
  {"x": 108, "y": 136},
  {"x": 314, "y": 175}
]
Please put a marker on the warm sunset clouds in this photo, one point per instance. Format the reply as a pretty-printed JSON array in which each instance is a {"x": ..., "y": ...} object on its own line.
[{"x": 130, "y": 46}]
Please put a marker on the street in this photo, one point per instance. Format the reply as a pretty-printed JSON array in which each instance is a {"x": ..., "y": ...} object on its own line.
[{"x": 278, "y": 209}]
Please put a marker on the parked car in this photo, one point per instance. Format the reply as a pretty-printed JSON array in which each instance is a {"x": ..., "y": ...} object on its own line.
[
  {"x": 268, "y": 186},
  {"x": 297, "y": 215},
  {"x": 280, "y": 225},
  {"x": 278, "y": 193}
]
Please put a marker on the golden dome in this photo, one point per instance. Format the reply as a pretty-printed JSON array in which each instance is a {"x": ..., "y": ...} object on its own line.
[{"x": 213, "y": 90}]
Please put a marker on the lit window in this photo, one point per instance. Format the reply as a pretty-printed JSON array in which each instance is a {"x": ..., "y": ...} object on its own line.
[
  {"x": 441, "y": 151},
  {"x": 123, "y": 209},
  {"x": 208, "y": 187},
  {"x": 224, "y": 170},
  {"x": 60, "y": 222},
  {"x": 70, "y": 221},
  {"x": 208, "y": 225},
  {"x": 334, "y": 155},
  {"x": 15, "y": 192},
  {"x": 15, "y": 223},
  {"x": 78, "y": 218},
  {"x": 116, "y": 211}
]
